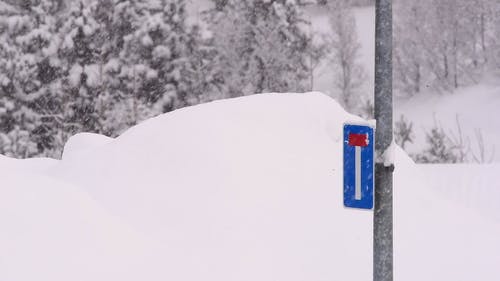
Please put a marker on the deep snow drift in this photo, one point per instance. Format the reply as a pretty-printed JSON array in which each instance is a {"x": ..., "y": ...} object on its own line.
[
  {"x": 240, "y": 189},
  {"x": 475, "y": 107}
]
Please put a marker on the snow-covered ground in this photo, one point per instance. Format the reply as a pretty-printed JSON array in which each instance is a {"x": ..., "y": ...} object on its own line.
[
  {"x": 475, "y": 108},
  {"x": 241, "y": 189}
]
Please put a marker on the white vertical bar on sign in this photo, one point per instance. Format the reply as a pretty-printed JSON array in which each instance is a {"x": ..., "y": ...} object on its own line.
[{"x": 357, "y": 173}]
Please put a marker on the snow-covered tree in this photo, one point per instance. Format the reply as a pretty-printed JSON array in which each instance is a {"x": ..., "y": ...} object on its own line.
[
  {"x": 494, "y": 50},
  {"x": 160, "y": 64},
  {"x": 403, "y": 132},
  {"x": 96, "y": 66},
  {"x": 349, "y": 74},
  {"x": 200, "y": 79},
  {"x": 410, "y": 44},
  {"x": 29, "y": 71},
  {"x": 442, "y": 44},
  {"x": 262, "y": 45},
  {"x": 125, "y": 67},
  {"x": 80, "y": 53}
]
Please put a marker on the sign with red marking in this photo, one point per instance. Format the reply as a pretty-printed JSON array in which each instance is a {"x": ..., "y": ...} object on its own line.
[
  {"x": 358, "y": 166},
  {"x": 358, "y": 139}
]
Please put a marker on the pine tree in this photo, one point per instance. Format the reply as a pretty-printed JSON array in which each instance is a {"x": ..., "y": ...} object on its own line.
[
  {"x": 410, "y": 44},
  {"x": 403, "y": 132},
  {"x": 200, "y": 75},
  {"x": 29, "y": 74},
  {"x": 439, "y": 149},
  {"x": 442, "y": 44},
  {"x": 96, "y": 66},
  {"x": 262, "y": 46},
  {"x": 494, "y": 50},
  {"x": 349, "y": 73},
  {"x": 191, "y": 72},
  {"x": 80, "y": 53},
  {"x": 128, "y": 67},
  {"x": 162, "y": 65}
]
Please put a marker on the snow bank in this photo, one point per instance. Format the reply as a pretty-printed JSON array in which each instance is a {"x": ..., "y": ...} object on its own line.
[
  {"x": 476, "y": 108},
  {"x": 83, "y": 142},
  {"x": 236, "y": 190},
  {"x": 33, "y": 165},
  {"x": 436, "y": 237},
  {"x": 241, "y": 189},
  {"x": 54, "y": 231}
]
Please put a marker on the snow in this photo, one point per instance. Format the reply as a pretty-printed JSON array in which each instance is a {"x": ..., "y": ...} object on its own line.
[
  {"x": 79, "y": 21},
  {"x": 6, "y": 8},
  {"x": 28, "y": 166},
  {"x": 436, "y": 237},
  {"x": 387, "y": 157},
  {"x": 68, "y": 40},
  {"x": 146, "y": 40},
  {"x": 151, "y": 74},
  {"x": 51, "y": 49},
  {"x": 473, "y": 187},
  {"x": 161, "y": 52},
  {"x": 80, "y": 143},
  {"x": 241, "y": 189},
  {"x": 112, "y": 65},
  {"x": 93, "y": 75},
  {"x": 476, "y": 108},
  {"x": 54, "y": 231},
  {"x": 75, "y": 74}
]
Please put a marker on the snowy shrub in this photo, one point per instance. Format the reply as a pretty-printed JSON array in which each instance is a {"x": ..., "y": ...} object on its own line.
[
  {"x": 349, "y": 74},
  {"x": 17, "y": 143},
  {"x": 452, "y": 146},
  {"x": 438, "y": 150},
  {"x": 403, "y": 132}
]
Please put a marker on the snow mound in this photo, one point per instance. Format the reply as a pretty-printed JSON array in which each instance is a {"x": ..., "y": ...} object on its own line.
[
  {"x": 242, "y": 189},
  {"x": 82, "y": 143},
  {"x": 54, "y": 231},
  {"x": 32, "y": 165},
  {"x": 475, "y": 108}
]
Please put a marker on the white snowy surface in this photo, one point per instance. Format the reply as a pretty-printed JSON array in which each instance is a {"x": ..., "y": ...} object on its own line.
[
  {"x": 387, "y": 157},
  {"x": 240, "y": 189},
  {"x": 6, "y": 8},
  {"x": 476, "y": 107},
  {"x": 82, "y": 143}
]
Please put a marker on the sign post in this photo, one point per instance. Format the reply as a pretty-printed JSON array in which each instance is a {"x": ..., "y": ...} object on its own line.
[{"x": 382, "y": 217}]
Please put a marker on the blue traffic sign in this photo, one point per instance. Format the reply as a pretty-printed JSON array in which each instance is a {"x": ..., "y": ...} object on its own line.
[{"x": 358, "y": 166}]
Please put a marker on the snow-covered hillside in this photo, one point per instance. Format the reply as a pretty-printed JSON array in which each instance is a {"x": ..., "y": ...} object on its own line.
[
  {"x": 241, "y": 189},
  {"x": 475, "y": 108},
  {"x": 473, "y": 105}
]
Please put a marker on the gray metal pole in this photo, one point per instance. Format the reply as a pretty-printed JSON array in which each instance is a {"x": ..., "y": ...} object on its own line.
[{"x": 382, "y": 220}]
